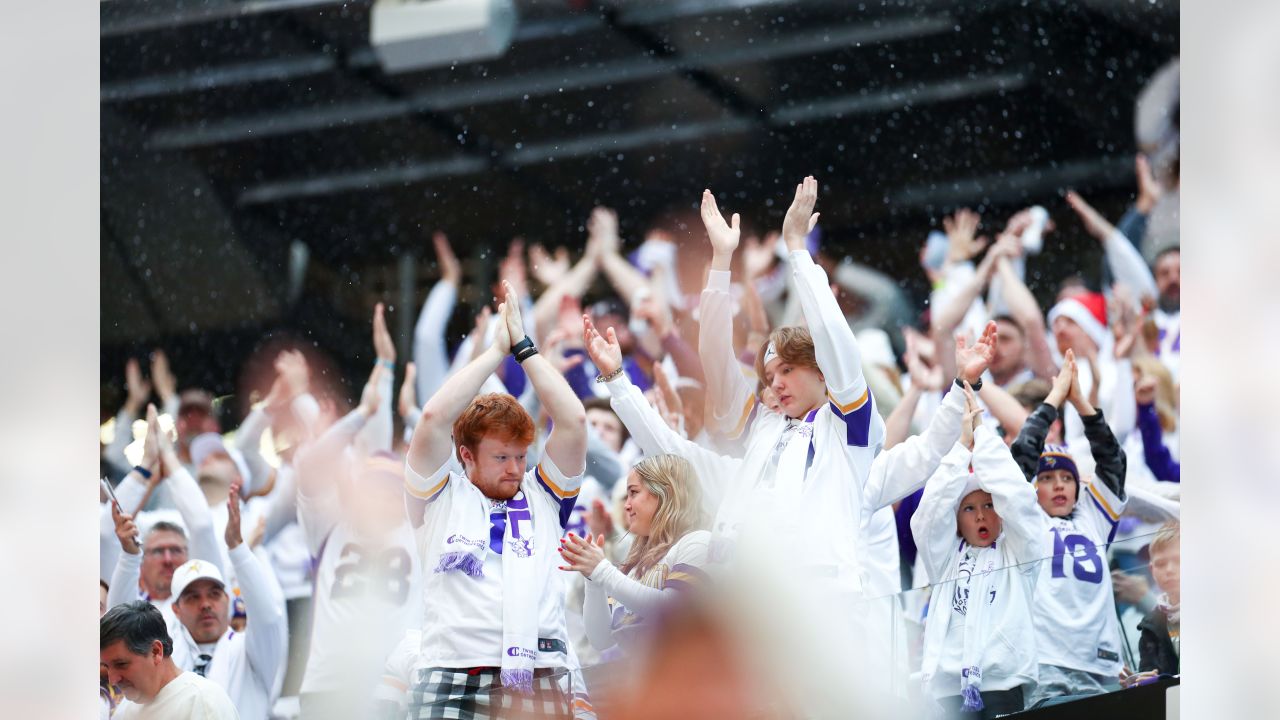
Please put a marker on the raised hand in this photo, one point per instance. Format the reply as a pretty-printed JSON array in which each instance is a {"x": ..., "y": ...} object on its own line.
[
  {"x": 232, "y": 534},
  {"x": 1094, "y": 223},
  {"x": 511, "y": 313},
  {"x": 1076, "y": 394},
  {"x": 581, "y": 554},
  {"x": 961, "y": 229},
  {"x": 138, "y": 389},
  {"x": 553, "y": 350},
  {"x": 1022, "y": 220},
  {"x": 408, "y": 400},
  {"x": 923, "y": 377},
  {"x": 599, "y": 521},
  {"x": 151, "y": 443},
  {"x": 126, "y": 530},
  {"x": 292, "y": 371},
  {"x": 512, "y": 267},
  {"x": 163, "y": 377},
  {"x": 723, "y": 236},
  {"x": 382, "y": 344},
  {"x": 606, "y": 354},
  {"x": 800, "y": 218},
  {"x": 370, "y": 398},
  {"x": 1149, "y": 190},
  {"x": 971, "y": 362},
  {"x": 450, "y": 268},
  {"x": 545, "y": 268},
  {"x": 1062, "y": 383},
  {"x": 758, "y": 256},
  {"x": 602, "y": 227}
]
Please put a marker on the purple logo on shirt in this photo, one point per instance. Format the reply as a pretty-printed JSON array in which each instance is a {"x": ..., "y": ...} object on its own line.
[{"x": 525, "y": 653}]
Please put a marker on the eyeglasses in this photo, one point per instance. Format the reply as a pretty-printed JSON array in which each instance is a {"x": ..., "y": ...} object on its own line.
[{"x": 161, "y": 551}]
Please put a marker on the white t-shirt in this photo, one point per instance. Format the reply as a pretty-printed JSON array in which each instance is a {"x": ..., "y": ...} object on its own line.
[
  {"x": 1075, "y": 610},
  {"x": 186, "y": 697},
  {"x": 368, "y": 593},
  {"x": 682, "y": 563},
  {"x": 463, "y": 622}
]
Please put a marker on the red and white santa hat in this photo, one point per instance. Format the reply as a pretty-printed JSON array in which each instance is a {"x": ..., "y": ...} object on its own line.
[{"x": 1089, "y": 311}]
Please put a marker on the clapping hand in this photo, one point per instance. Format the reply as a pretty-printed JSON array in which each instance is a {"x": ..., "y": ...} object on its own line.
[
  {"x": 581, "y": 554},
  {"x": 972, "y": 361},
  {"x": 800, "y": 218},
  {"x": 605, "y": 353},
  {"x": 723, "y": 236}
]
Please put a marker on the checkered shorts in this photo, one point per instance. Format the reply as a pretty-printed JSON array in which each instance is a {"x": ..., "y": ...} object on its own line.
[{"x": 475, "y": 694}]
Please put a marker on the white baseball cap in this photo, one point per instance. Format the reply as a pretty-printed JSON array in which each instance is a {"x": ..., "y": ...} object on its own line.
[{"x": 191, "y": 571}]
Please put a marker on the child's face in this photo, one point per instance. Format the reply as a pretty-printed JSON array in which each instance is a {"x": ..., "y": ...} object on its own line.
[
  {"x": 1058, "y": 491},
  {"x": 977, "y": 519},
  {"x": 1166, "y": 568}
]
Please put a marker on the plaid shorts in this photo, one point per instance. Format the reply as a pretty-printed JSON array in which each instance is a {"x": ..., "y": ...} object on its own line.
[{"x": 475, "y": 694}]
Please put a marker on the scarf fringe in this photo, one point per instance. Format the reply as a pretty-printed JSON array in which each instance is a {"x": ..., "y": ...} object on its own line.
[
  {"x": 519, "y": 680},
  {"x": 972, "y": 698},
  {"x": 468, "y": 563}
]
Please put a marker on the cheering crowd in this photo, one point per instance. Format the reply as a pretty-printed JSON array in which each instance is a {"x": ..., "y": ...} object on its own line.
[{"x": 589, "y": 468}]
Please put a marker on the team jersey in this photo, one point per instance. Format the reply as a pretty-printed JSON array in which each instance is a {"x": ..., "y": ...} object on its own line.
[
  {"x": 368, "y": 593},
  {"x": 621, "y": 608},
  {"x": 1075, "y": 618},
  {"x": 463, "y": 621}
]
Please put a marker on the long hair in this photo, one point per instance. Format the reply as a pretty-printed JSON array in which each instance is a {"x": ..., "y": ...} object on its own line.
[{"x": 672, "y": 479}]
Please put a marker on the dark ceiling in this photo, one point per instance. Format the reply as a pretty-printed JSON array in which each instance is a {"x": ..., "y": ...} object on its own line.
[{"x": 236, "y": 134}]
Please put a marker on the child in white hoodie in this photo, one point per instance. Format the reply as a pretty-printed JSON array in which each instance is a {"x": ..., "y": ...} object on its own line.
[{"x": 978, "y": 529}]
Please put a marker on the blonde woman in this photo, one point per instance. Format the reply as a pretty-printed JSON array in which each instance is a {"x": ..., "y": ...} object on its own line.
[{"x": 669, "y": 548}]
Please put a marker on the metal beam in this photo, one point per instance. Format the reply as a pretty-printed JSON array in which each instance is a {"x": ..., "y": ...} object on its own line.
[
  {"x": 118, "y": 18},
  {"x": 227, "y": 75},
  {"x": 534, "y": 84},
  {"x": 1012, "y": 186},
  {"x": 554, "y": 151}
]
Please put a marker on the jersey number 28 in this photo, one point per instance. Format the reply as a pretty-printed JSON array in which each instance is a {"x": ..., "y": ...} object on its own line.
[{"x": 384, "y": 575}]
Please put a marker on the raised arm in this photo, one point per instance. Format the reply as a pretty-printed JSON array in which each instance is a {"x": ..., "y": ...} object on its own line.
[
  {"x": 376, "y": 434},
  {"x": 1108, "y": 457},
  {"x": 1157, "y": 456},
  {"x": 560, "y": 279},
  {"x": 1123, "y": 258},
  {"x": 1015, "y": 500},
  {"x": 625, "y": 279},
  {"x": 1026, "y": 448},
  {"x": 933, "y": 525},
  {"x": 432, "y": 441},
  {"x": 188, "y": 498},
  {"x": 1027, "y": 313},
  {"x": 905, "y": 468},
  {"x": 265, "y": 639},
  {"x": 730, "y": 395},
  {"x": 137, "y": 390},
  {"x": 567, "y": 443},
  {"x": 124, "y": 579},
  {"x": 1005, "y": 407},
  {"x": 430, "y": 351}
]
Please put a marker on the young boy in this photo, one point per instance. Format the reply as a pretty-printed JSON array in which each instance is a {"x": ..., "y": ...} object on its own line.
[
  {"x": 1077, "y": 632},
  {"x": 979, "y": 643}
]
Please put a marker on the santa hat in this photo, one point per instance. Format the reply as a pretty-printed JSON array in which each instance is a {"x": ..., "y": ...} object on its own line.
[{"x": 1089, "y": 311}]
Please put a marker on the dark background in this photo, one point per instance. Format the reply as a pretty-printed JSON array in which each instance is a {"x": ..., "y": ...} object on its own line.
[{"x": 229, "y": 135}]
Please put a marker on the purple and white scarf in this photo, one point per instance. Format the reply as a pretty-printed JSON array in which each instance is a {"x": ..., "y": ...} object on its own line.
[{"x": 478, "y": 525}]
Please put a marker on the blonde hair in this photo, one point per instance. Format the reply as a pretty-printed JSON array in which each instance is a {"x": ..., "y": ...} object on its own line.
[
  {"x": 1166, "y": 394},
  {"x": 673, "y": 481},
  {"x": 1170, "y": 532}
]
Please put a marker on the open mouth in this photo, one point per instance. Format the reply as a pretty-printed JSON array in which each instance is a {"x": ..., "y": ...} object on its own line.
[
  {"x": 1059, "y": 500},
  {"x": 983, "y": 532}
]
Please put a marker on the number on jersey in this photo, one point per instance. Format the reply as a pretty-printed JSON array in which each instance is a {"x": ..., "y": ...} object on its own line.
[
  {"x": 384, "y": 575},
  {"x": 1086, "y": 563}
]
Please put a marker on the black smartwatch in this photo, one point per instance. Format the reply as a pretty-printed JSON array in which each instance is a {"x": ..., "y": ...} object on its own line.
[
  {"x": 524, "y": 349},
  {"x": 976, "y": 386}
]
